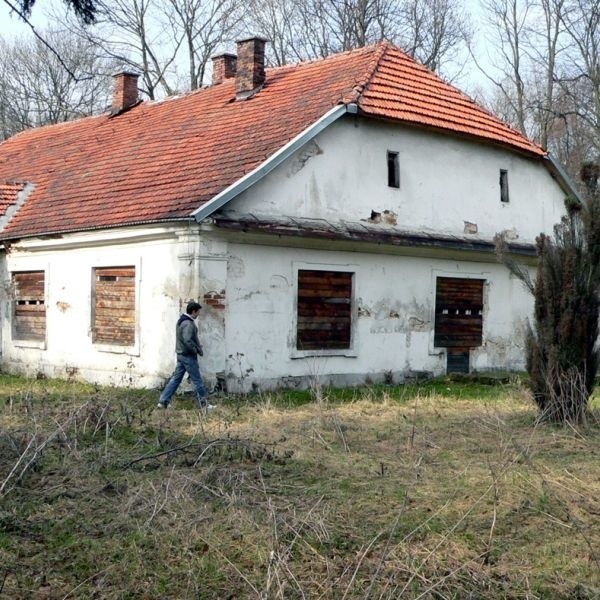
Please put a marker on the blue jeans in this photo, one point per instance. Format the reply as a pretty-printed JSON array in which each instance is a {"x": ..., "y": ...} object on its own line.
[{"x": 185, "y": 364}]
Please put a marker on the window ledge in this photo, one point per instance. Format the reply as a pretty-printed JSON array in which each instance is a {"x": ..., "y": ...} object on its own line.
[
  {"x": 117, "y": 349},
  {"x": 39, "y": 344},
  {"x": 347, "y": 352}
]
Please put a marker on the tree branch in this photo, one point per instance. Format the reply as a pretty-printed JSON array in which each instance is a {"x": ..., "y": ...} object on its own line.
[{"x": 24, "y": 18}]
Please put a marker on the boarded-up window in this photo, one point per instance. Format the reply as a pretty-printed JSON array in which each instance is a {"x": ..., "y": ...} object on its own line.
[
  {"x": 458, "y": 312},
  {"x": 29, "y": 306},
  {"x": 113, "y": 306},
  {"x": 324, "y": 310}
]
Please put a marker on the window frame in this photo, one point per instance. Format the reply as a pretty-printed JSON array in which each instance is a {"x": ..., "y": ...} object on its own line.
[
  {"x": 442, "y": 313},
  {"x": 40, "y": 344},
  {"x": 134, "y": 349},
  {"x": 349, "y": 352},
  {"x": 434, "y": 273},
  {"x": 504, "y": 187},
  {"x": 393, "y": 169}
]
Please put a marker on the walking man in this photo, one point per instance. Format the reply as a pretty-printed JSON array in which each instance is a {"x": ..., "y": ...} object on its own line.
[{"x": 188, "y": 348}]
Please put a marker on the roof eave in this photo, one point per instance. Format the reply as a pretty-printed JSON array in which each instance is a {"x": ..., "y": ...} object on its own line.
[
  {"x": 560, "y": 174},
  {"x": 251, "y": 178}
]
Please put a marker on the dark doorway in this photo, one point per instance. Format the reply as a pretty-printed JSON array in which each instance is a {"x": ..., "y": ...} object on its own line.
[{"x": 458, "y": 319}]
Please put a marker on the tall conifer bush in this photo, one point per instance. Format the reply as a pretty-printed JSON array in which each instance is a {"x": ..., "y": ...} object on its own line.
[{"x": 561, "y": 344}]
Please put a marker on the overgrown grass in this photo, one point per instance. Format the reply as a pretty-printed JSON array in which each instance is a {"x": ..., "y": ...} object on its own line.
[{"x": 443, "y": 489}]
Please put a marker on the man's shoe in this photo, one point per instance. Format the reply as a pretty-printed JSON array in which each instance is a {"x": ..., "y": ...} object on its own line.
[{"x": 161, "y": 405}]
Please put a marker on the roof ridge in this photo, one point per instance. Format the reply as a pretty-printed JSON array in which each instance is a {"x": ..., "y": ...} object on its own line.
[
  {"x": 380, "y": 49},
  {"x": 269, "y": 69},
  {"x": 321, "y": 59}
]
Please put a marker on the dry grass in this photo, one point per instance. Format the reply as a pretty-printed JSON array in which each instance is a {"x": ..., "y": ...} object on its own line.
[{"x": 435, "y": 491}]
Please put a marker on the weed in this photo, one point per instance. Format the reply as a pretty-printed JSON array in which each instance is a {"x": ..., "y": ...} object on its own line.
[{"x": 439, "y": 489}]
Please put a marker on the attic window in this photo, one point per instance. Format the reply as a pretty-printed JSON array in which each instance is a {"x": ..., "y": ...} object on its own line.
[
  {"x": 504, "y": 185},
  {"x": 113, "y": 306},
  {"x": 393, "y": 169},
  {"x": 324, "y": 310},
  {"x": 29, "y": 315}
]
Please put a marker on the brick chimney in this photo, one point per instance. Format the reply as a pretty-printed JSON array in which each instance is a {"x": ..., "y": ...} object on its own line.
[
  {"x": 250, "y": 74},
  {"x": 224, "y": 67},
  {"x": 125, "y": 93}
]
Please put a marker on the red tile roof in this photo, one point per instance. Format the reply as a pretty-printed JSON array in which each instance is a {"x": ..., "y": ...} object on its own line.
[
  {"x": 162, "y": 160},
  {"x": 404, "y": 90},
  {"x": 8, "y": 195}
]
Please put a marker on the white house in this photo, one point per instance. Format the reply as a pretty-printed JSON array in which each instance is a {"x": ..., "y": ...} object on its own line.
[{"x": 335, "y": 218}]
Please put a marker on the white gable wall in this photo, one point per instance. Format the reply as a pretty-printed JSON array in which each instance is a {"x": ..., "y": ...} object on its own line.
[
  {"x": 445, "y": 181},
  {"x": 447, "y": 186}
]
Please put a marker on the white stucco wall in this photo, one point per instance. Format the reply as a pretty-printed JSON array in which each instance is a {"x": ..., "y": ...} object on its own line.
[
  {"x": 250, "y": 333},
  {"x": 394, "y": 302},
  {"x": 247, "y": 283},
  {"x": 166, "y": 263},
  {"x": 445, "y": 181}
]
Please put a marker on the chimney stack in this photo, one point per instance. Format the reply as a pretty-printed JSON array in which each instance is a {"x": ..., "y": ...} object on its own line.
[
  {"x": 250, "y": 74},
  {"x": 125, "y": 94},
  {"x": 224, "y": 67}
]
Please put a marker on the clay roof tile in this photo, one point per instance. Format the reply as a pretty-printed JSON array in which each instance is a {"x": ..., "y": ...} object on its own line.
[{"x": 162, "y": 160}]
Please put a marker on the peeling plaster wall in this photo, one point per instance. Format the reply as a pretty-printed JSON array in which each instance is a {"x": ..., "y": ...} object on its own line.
[
  {"x": 394, "y": 299},
  {"x": 168, "y": 274},
  {"x": 248, "y": 291},
  {"x": 447, "y": 184}
]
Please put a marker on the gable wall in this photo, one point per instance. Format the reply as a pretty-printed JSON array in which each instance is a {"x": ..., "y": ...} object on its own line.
[{"x": 445, "y": 182}]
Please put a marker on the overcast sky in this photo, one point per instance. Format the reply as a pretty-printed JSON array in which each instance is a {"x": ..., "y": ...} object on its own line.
[
  {"x": 11, "y": 24},
  {"x": 469, "y": 81}
]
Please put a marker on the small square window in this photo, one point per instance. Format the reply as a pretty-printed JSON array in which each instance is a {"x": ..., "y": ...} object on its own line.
[
  {"x": 504, "y": 185},
  {"x": 393, "y": 168}
]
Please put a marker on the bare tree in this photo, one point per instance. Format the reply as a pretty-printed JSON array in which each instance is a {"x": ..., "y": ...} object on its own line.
[
  {"x": 278, "y": 21},
  {"x": 433, "y": 31},
  {"x": 582, "y": 81},
  {"x": 204, "y": 26},
  {"x": 133, "y": 34},
  {"x": 508, "y": 20},
  {"x": 35, "y": 89},
  {"x": 84, "y": 9},
  {"x": 160, "y": 40},
  {"x": 549, "y": 40},
  {"x": 542, "y": 85}
]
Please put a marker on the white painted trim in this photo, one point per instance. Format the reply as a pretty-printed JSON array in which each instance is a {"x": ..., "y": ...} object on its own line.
[
  {"x": 248, "y": 180},
  {"x": 107, "y": 237},
  {"x": 24, "y": 343}
]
